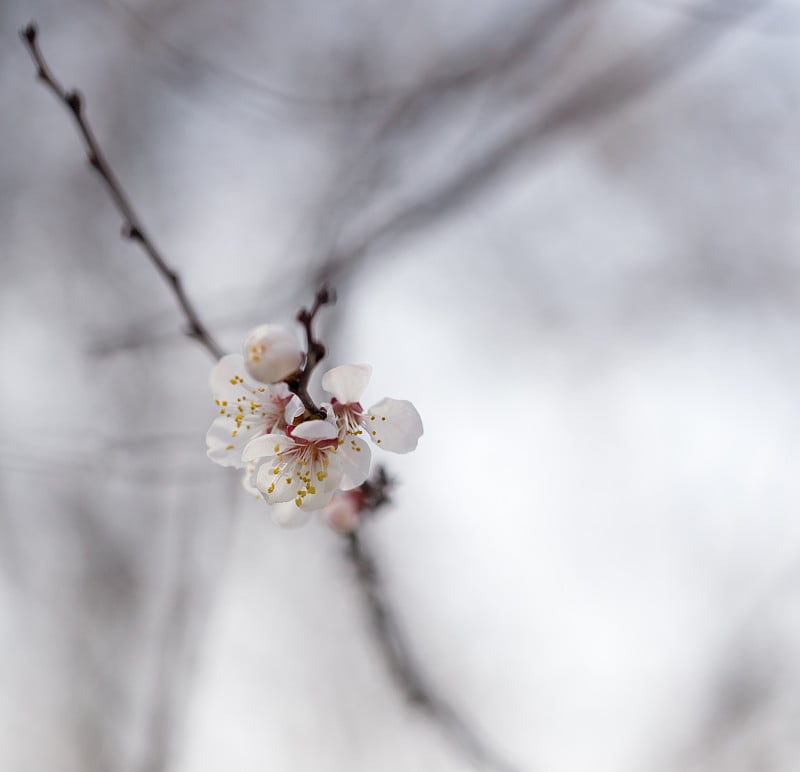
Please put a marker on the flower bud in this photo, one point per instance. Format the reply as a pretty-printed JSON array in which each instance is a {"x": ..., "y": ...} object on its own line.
[
  {"x": 344, "y": 510},
  {"x": 271, "y": 353}
]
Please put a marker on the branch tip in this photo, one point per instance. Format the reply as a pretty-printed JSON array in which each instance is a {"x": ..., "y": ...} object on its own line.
[
  {"x": 29, "y": 32},
  {"x": 74, "y": 101}
]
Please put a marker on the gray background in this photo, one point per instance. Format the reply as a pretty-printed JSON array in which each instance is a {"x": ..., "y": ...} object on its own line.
[{"x": 568, "y": 234}]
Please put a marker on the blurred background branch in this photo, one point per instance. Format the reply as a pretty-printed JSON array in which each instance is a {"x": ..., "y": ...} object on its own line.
[{"x": 566, "y": 230}]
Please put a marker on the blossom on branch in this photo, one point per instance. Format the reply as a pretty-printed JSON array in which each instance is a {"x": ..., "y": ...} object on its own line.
[
  {"x": 392, "y": 424},
  {"x": 272, "y": 353},
  {"x": 302, "y": 465},
  {"x": 298, "y": 454},
  {"x": 247, "y": 409}
]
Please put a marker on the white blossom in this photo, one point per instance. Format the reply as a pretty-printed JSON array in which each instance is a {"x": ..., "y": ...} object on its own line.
[
  {"x": 245, "y": 410},
  {"x": 293, "y": 460},
  {"x": 271, "y": 353},
  {"x": 303, "y": 465},
  {"x": 392, "y": 424}
]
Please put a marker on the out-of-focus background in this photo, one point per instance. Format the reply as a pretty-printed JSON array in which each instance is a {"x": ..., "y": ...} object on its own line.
[{"x": 566, "y": 230}]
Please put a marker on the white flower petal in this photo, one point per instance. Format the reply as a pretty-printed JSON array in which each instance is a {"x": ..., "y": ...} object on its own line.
[
  {"x": 325, "y": 477},
  {"x": 347, "y": 382},
  {"x": 294, "y": 408},
  {"x": 225, "y": 441},
  {"x": 394, "y": 424},
  {"x": 249, "y": 480},
  {"x": 324, "y": 493},
  {"x": 229, "y": 377},
  {"x": 280, "y": 389},
  {"x": 266, "y": 446},
  {"x": 237, "y": 397},
  {"x": 276, "y": 487},
  {"x": 314, "y": 431},
  {"x": 355, "y": 455},
  {"x": 288, "y": 515}
]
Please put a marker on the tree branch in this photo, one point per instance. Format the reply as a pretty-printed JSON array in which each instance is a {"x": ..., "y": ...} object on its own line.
[
  {"x": 132, "y": 227},
  {"x": 401, "y": 664},
  {"x": 315, "y": 351}
]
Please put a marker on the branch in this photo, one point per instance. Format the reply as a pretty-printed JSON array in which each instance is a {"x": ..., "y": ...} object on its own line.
[
  {"x": 315, "y": 352},
  {"x": 401, "y": 664},
  {"x": 132, "y": 227},
  {"x": 604, "y": 94}
]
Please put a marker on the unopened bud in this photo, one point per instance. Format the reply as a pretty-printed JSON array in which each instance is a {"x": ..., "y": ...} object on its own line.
[
  {"x": 344, "y": 510},
  {"x": 271, "y": 353}
]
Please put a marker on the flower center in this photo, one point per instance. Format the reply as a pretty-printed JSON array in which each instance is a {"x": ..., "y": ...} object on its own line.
[{"x": 350, "y": 415}]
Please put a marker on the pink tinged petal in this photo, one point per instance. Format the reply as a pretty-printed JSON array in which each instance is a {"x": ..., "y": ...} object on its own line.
[
  {"x": 266, "y": 446},
  {"x": 226, "y": 441},
  {"x": 355, "y": 455},
  {"x": 344, "y": 511},
  {"x": 393, "y": 424},
  {"x": 315, "y": 431},
  {"x": 280, "y": 390},
  {"x": 347, "y": 382}
]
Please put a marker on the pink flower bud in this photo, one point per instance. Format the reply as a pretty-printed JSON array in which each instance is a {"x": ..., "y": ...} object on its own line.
[{"x": 344, "y": 510}]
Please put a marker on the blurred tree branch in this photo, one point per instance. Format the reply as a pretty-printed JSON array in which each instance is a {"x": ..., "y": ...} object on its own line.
[
  {"x": 402, "y": 666},
  {"x": 630, "y": 77},
  {"x": 132, "y": 227},
  {"x": 357, "y": 217}
]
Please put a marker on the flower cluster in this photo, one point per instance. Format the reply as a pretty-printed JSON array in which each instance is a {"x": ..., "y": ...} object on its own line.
[{"x": 292, "y": 453}]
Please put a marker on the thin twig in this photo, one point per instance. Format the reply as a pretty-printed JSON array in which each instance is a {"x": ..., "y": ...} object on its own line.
[
  {"x": 315, "y": 352},
  {"x": 401, "y": 663},
  {"x": 132, "y": 227}
]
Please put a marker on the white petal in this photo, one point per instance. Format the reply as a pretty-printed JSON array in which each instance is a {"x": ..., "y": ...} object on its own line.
[
  {"x": 324, "y": 493},
  {"x": 226, "y": 440},
  {"x": 288, "y": 515},
  {"x": 266, "y": 446},
  {"x": 277, "y": 488},
  {"x": 324, "y": 482},
  {"x": 347, "y": 382},
  {"x": 237, "y": 397},
  {"x": 314, "y": 431},
  {"x": 280, "y": 389},
  {"x": 249, "y": 481},
  {"x": 394, "y": 424},
  {"x": 225, "y": 375},
  {"x": 294, "y": 408},
  {"x": 354, "y": 454}
]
